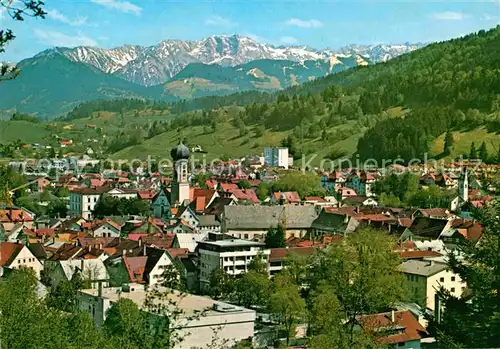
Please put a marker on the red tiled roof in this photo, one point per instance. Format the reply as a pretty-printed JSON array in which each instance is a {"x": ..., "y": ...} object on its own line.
[
  {"x": 378, "y": 217},
  {"x": 279, "y": 254},
  {"x": 45, "y": 231},
  {"x": 196, "y": 192},
  {"x": 345, "y": 210},
  {"x": 135, "y": 267},
  {"x": 178, "y": 252},
  {"x": 136, "y": 236},
  {"x": 314, "y": 198},
  {"x": 99, "y": 241},
  {"x": 472, "y": 230},
  {"x": 95, "y": 182},
  {"x": 146, "y": 194},
  {"x": 200, "y": 204},
  {"x": 254, "y": 182},
  {"x": 406, "y": 245},
  {"x": 246, "y": 194},
  {"x": 14, "y": 215},
  {"x": 211, "y": 184},
  {"x": 91, "y": 191},
  {"x": 228, "y": 186},
  {"x": 375, "y": 324},
  {"x": 435, "y": 212},
  {"x": 347, "y": 192},
  {"x": 289, "y": 196},
  {"x": 331, "y": 239},
  {"x": 405, "y": 222},
  {"x": 9, "y": 251},
  {"x": 160, "y": 241}
]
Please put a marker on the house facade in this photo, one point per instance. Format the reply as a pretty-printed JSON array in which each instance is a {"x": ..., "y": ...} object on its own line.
[
  {"x": 16, "y": 256},
  {"x": 425, "y": 277}
]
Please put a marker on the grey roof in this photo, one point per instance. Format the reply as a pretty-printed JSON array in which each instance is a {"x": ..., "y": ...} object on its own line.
[
  {"x": 190, "y": 241},
  {"x": 264, "y": 217},
  {"x": 330, "y": 221},
  {"x": 38, "y": 251},
  {"x": 428, "y": 227},
  {"x": 422, "y": 267},
  {"x": 207, "y": 220},
  {"x": 232, "y": 243}
]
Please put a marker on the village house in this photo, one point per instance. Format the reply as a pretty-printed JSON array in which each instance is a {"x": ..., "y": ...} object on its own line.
[
  {"x": 426, "y": 277},
  {"x": 362, "y": 182},
  {"x": 333, "y": 223},
  {"x": 395, "y": 329},
  {"x": 15, "y": 256},
  {"x": 359, "y": 200},
  {"x": 333, "y": 182},
  {"x": 106, "y": 228},
  {"x": 145, "y": 267},
  {"x": 208, "y": 223},
  {"x": 89, "y": 270}
]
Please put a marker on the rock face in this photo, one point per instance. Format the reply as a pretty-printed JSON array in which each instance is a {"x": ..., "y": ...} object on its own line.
[{"x": 159, "y": 63}]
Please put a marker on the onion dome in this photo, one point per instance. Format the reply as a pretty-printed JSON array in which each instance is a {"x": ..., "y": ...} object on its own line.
[{"x": 180, "y": 152}]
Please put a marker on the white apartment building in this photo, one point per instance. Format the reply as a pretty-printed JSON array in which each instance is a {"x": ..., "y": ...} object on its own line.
[
  {"x": 425, "y": 277},
  {"x": 200, "y": 317},
  {"x": 82, "y": 201},
  {"x": 276, "y": 157},
  {"x": 231, "y": 255}
]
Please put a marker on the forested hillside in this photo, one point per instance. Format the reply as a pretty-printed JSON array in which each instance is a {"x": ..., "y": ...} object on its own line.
[{"x": 395, "y": 109}]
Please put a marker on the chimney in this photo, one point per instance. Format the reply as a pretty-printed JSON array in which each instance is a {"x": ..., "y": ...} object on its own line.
[
  {"x": 144, "y": 251},
  {"x": 392, "y": 316},
  {"x": 140, "y": 242},
  {"x": 430, "y": 264},
  {"x": 124, "y": 253}
]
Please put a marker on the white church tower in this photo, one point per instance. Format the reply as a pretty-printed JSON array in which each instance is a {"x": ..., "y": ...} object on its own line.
[
  {"x": 463, "y": 185},
  {"x": 180, "y": 184}
]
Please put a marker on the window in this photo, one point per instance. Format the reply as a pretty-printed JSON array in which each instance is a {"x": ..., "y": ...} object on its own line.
[
  {"x": 452, "y": 290},
  {"x": 441, "y": 279},
  {"x": 452, "y": 278}
]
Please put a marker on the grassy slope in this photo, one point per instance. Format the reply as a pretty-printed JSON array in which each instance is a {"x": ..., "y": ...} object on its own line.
[
  {"x": 25, "y": 131},
  {"x": 227, "y": 142},
  {"x": 463, "y": 140}
]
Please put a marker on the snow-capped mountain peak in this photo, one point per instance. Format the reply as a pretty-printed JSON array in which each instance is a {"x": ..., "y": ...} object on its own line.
[{"x": 159, "y": 63}]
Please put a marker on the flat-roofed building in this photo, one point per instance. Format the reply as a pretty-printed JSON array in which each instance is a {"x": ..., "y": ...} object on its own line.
[
  {"x": 231, "y": 255},
  {"x": 201, "y": 316}
]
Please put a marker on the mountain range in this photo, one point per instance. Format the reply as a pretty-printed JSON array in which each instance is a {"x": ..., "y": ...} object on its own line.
[
  {"x": 56, "y": 80},
  {"x": 159, "y": 63}
]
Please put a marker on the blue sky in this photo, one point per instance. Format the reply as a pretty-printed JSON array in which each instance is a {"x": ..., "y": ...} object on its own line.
[{"x": 319, "y": 24}]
